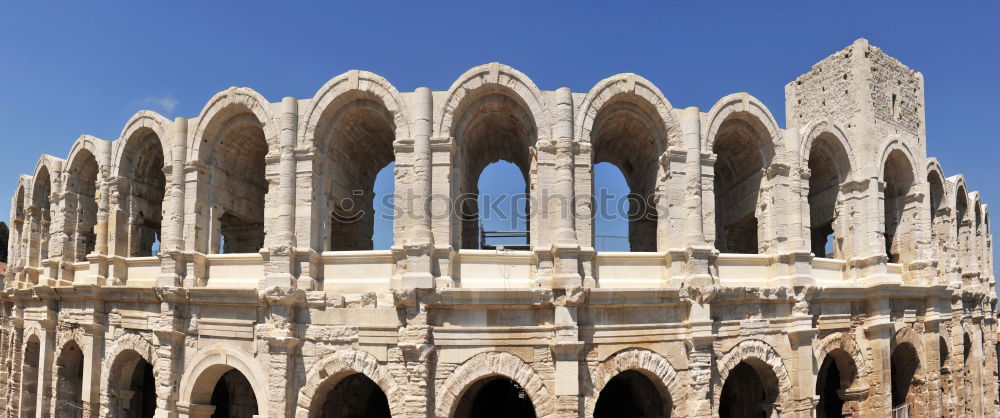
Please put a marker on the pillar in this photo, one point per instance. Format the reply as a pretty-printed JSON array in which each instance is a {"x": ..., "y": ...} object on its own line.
[
  {"x": 418, "y": 246},
  {"x": 46, "y": 364},
  {"x": 280, "y": 240},
  {"x": 699, "y": 254},
  {"x": 93, "y": 355},
  {"x": 559, "y": 206}
]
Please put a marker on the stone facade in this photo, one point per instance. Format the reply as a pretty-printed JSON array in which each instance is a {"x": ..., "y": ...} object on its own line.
[{"x": 222, "y": 265}]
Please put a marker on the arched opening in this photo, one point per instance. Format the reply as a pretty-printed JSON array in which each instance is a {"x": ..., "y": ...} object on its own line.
[
  {"x": 132, "y": 387},
  {"x": 963, "y": 227},
  {"x": 747, "y": 393},
  {"x": 904, "y": 365},
  {"x": 943, "y": 351},
  {"x": 42, "y": 217},
  {"x": 741, "y": 157},
  {"x": 629, "y": 134},
  {"x": 836, "y": 375},
  {"x": 355, "y": 396},
  {"x": 612, "y": 208},
  {"x": 898, "y": 178},
  {"x": 142, "y": 164},
  {"x": 356, "y": 141},
  {"x": 491, "y": 124},
  {"x": 69, "y": 381},
  {"x": 631, "y": 394},
  {"x": 383, "y": 235},
  {"x": 235, "y": 152},
  {"x": 495, "y": 397},
  {"x": 501, "y": 205},
  {"x": 966, "y": 348},
  {"x": 945, "y": 372},
  {"x": 829, "y": 168},
  {"x": 82, "y": 185},
  {"x": 29, "y": 377},
  {"x": 233, "y": 396},
  {"x": 16, "y": 256}
]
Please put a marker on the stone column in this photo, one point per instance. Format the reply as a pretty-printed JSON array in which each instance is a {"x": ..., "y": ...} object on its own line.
[
  {"x": 93, "y": 355},
  {"x": 800, "y": 337},
  {"x": 13, "y": 390},
  {"x": 282, "y": 347},
  {"x": 169, "y": 339},
  {"x": 99, "y": 257},
  {"x": 559, "y": 206},
  {"x": 879, "y": 330},
  {"x": 416, "y": 350},
  {"x": 699, "y": 254},
  {"x": 46, "y": 364},
  {"x": 418, "y": 246},
  {"x": 566, "y": 352},
  {"x": 172, "y": 243},
  {"x": 280, "y": 250},
  {"x": 444, "y": 217}
]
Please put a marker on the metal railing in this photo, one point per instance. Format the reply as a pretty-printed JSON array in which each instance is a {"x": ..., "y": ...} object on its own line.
[
  {"x": 902, "y": 411},
  {"x": 513, "y": 240}
]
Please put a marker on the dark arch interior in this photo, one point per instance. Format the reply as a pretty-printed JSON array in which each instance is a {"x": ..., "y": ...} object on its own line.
[
  {"x": 828, "y": 382},
  {"x": 745, "y": 394},
  {"x": 631, "y": 394},
  {"x": 963, "y": 226},
  {"x": 828, "y": 168},
  {"x": 739, "y": 169},
  {"x": 132, "y": 383},
  {"x": 69, "y": 384},
  {"x": 40, "y": 193},
  {"x": 628, "y": 135},
  {"x": 495, "y": 397},
  {"x": 898, "y": 175},
  {"x": 239, "y": 183},
  {"x": 904, "y": 364},
  {"x": 233, "y": 396},
  {"x": 83, "y": 185},
  {"x": 29, "y": 377},
  {"x": 142, "y": 163},
  {"x": 358, "y": 144},
  {"x": 937, "y": 193},
  {"x": 966, "y": 348},
  {"x": 943, "y": 350},
  {"x": 491, "y": 125},
  {"x": 355, "y": 396}
]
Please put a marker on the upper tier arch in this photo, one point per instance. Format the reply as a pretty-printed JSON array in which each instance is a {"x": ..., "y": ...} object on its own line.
[
  {"x": 745, "y": 106},
  {"x": 345, "y": 88},
  {"x": 626, "y": 84},
  {"x": 141, "y": 122}
]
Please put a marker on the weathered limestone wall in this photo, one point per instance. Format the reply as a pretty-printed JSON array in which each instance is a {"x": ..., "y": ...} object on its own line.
[{"x": 223, "y": 263}]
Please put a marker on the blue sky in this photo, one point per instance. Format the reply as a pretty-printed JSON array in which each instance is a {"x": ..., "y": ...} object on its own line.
[{"x": 75, "y": 68}]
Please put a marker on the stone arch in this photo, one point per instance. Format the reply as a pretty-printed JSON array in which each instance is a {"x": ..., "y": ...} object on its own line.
[
  {"x": 124, "y": 345},
  {"x": 84, "y": 169},
  {"x": 52, "y": 168},
  {"x": 848, "y": 358},
  {"x": 735, "y": 105},
  {"x": 138, "y": 126},
  {"x": 907, "y": 361},
  {"x": 900, "y": 176},
  {"x": 18, "y": 216},
  {"x": 828, "y": 157},
  {"x": 495, "y": 74},
  {"x": 629, "y": 123},
  {"x": 652, "y": 365},
  {"x": 325, "y": 374},
  {"x": 492, "y": 113},
  {"x": 746, "y": 142},
  {"x": 765, "y": 361},
  {"x": 490, "y": 364},
  {"x": 46, "y": 181},
  {"x": 346, "y": 87},
  {"x": 352, "y": 122},
  {"x": 235, "y": 192},
  {"x": 67, "y": 375},
  {"x": 208, "y": 366},
  {"x": 30, "y": 369}
]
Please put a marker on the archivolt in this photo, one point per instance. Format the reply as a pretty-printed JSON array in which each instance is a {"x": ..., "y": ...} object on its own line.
[
  {"x": 742, "y": 103},
  {"x": 325, "y": 374},
  {"x": 653, "y": 365},
  {"x": 223, "y": 106},
  {"x": 142, "y": 121},
  {"x": 610, "y": 88},
  {"x": 843, "y": 341},
  {"x": 761, "y": 353},
  {"x": 896, "y": 143},
  {"x": 814, "y": 130},
  {"x": 349, "y": 86},
  {"x": 499, "y": 75},
  {"x": 490, "y": 364}
]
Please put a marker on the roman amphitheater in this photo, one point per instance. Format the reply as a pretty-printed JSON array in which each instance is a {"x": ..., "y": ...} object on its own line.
[{"x": 205, "y": 266}]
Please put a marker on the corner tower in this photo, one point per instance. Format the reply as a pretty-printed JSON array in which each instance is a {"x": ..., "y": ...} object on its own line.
[{"x": 870, "y": 95}]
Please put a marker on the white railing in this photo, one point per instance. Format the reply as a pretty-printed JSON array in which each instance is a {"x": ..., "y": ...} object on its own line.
[
  {"x": 234, "y": 270},
  {"x": 142, "y": 271},
  {"x": 744, "y": 269},
  {"x": 357, "y": 271},
  {"x": 630, "y": 270},
  {"x": 497, "y": 269},
  {"x": 828, "y": 271}
]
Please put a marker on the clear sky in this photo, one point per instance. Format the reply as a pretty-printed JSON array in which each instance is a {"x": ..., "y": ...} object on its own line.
[{"x": 73, "y": 68}]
